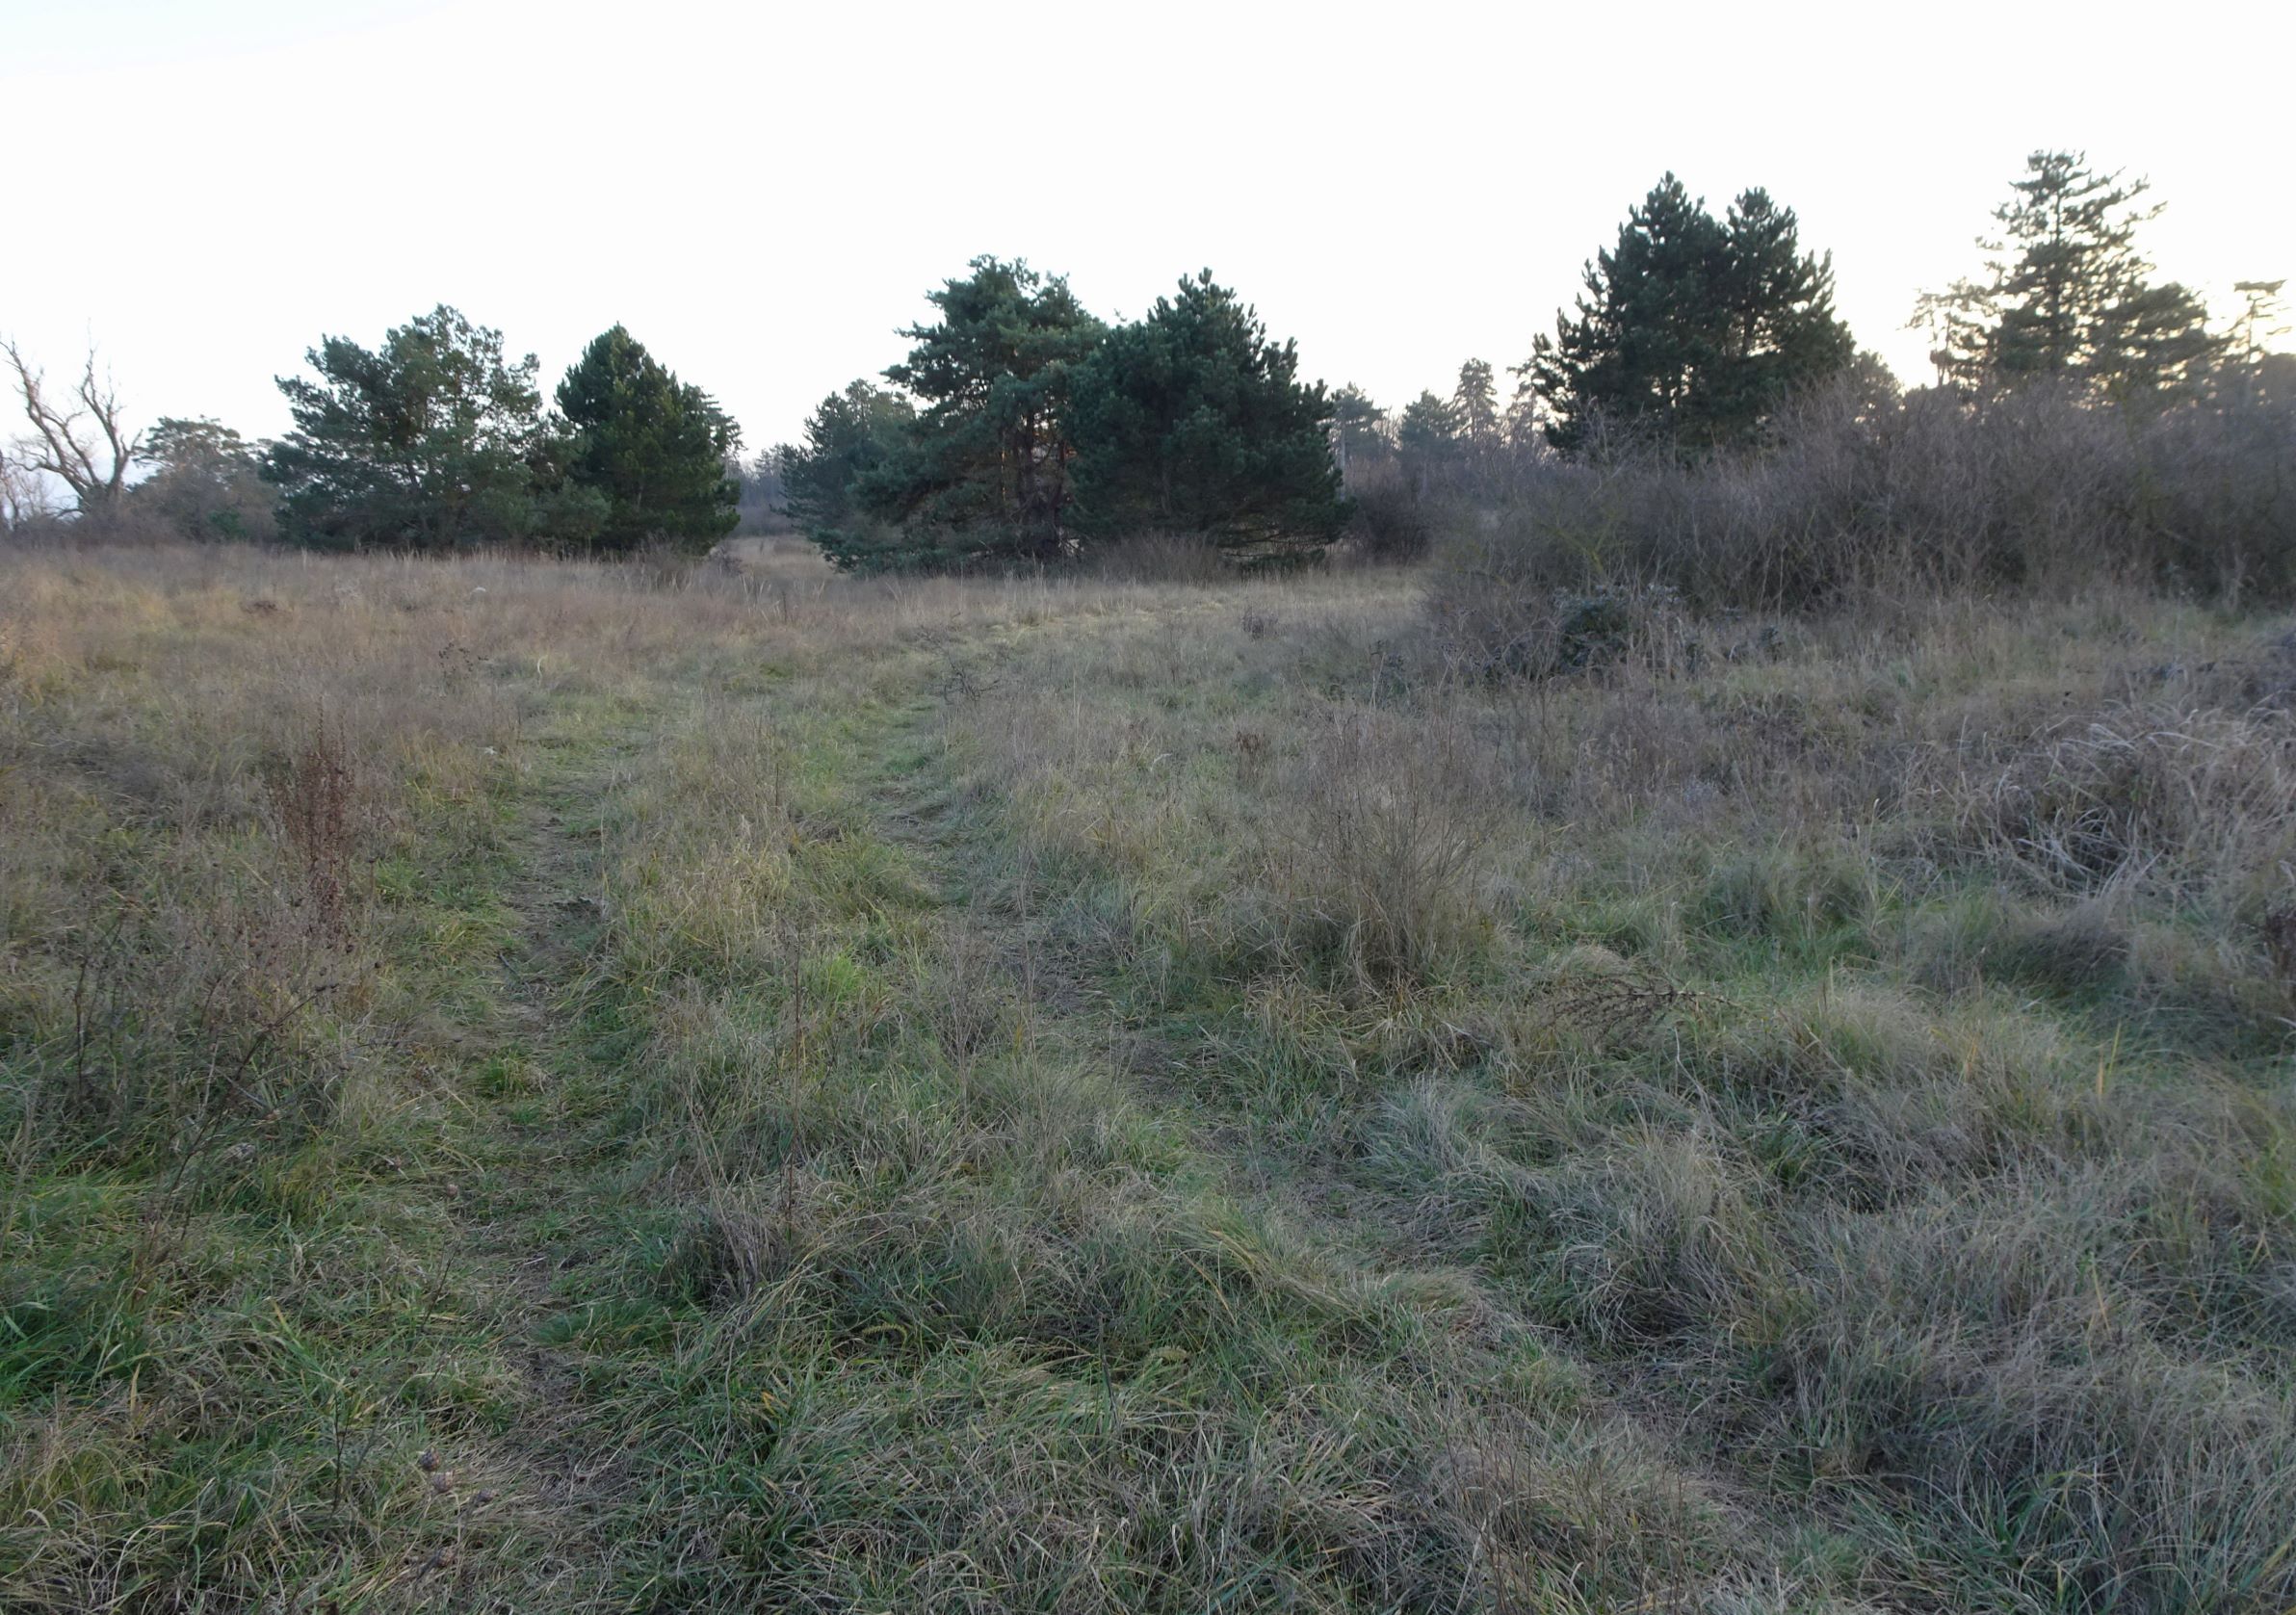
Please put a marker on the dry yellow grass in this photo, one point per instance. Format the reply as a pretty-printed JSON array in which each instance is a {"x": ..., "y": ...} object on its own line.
[
  {"x": 781, "y": 556},
  {"x": 546, "y": 1087}
]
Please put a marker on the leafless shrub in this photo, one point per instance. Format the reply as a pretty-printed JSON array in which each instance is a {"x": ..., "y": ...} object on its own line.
[
  {"x": 2034, "y": 493},
  {"x": 208, "y": 497},
  {"x": 1391, "y": 522},
  {"x": 313, "y": 800}
]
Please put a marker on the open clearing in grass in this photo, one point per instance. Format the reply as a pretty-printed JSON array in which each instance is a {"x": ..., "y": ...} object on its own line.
[{"x": 534, "y": 1086}]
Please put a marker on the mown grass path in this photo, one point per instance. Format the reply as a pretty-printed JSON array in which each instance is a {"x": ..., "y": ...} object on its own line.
[
  {"x": 540, "y": 1172},
  {"x": 649, "y": 1461}
]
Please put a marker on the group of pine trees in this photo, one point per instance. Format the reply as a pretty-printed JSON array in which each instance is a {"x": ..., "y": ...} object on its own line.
[
  {"x": 1690, "y": 331},
  {"x": 436, "y": 440},
  {"x": 2068, "y": 297},
  {"x": 1025, "y": 429},
  {"x": 1020, "y": 427}
]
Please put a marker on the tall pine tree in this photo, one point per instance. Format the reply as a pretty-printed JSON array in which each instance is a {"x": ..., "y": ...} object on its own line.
[
  {"x": 433, "y": 441},
  {"x": 1690, "y": 329},
  {"x": 1475, "y": 403},
  {"x": 654, "y": 447},
  {"x": 1191, "y": 420},
  {"x": 1427, "y": 440},
  {"x": 850, "y": 440},
  {"x": 1781, "y": 332},
  {"x": 984, "y": 470},
  {"x": 1361, "y": 434},
  {"x": 2066, "y": 296}
]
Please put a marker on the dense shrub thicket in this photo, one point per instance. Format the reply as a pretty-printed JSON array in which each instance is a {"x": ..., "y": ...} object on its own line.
[{"x": 2035, "y": 491}]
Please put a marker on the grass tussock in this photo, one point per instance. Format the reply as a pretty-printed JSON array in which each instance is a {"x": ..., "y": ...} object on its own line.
[{"x": 1374, "y": 845}]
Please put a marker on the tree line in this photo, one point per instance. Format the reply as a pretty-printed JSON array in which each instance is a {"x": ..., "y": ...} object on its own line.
[
  {"x": 1691, "y": 333},
  {"x": 1021, "y": 427},
  {"x": 432, "y": 440}
]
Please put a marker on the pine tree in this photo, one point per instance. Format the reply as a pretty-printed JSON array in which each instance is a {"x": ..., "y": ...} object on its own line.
[
  {"x": 655, "y": 447},
  {"x": 2068, "y": 296},
  {"x": 1690, "y": 329},
  {"x": 433, "y": 441},
  {"x": 2153, "y": 347},
  {"x": 984, "y": 468},
  {"x": 1429, "y": 428},
  {"x": 1427, "y": 439},
  {"x": 1191, "y": 420},
  {"x": 1360, "y": 429},
  {"x": 1782, "y": 332},
  {"x": 1475, "y": 404},
  {"x": 850, "y": 440}
]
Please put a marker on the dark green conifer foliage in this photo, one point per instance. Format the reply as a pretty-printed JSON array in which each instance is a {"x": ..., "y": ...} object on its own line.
[
  {"x": 850, "y": 440},
  {"x": 1690, "y": 330},
  {"x": 2068, "y": 297},
  {"x": 1190, "y": 420},
  {"x": 654, "y": 447},
  {"x": 1428, "y": 438},
  {"x": 1782, "y": 334},
  {"x": 433, "y": 441},
  {"x": 1357, "y": 424},
  {"x": 1474, "y": 406},
  {"x": 1430, "y": 426},
  {"x": 984, "y": 470}
]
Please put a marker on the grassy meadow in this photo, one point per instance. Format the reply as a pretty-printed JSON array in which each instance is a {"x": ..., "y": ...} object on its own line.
[{"x": 529, "y": 1085}]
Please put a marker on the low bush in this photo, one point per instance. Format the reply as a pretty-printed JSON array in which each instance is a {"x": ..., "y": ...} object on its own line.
[{"x": 1389, "y": 521}]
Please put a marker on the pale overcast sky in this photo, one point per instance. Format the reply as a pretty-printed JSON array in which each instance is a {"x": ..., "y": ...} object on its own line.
[{"x": 762, "y": 193}]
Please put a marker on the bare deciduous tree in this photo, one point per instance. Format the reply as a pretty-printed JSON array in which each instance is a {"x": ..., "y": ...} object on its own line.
[{"x": 63, "y": 443}]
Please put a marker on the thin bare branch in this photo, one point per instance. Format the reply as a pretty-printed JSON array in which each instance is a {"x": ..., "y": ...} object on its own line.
[{"x": 62, "y": 446}]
